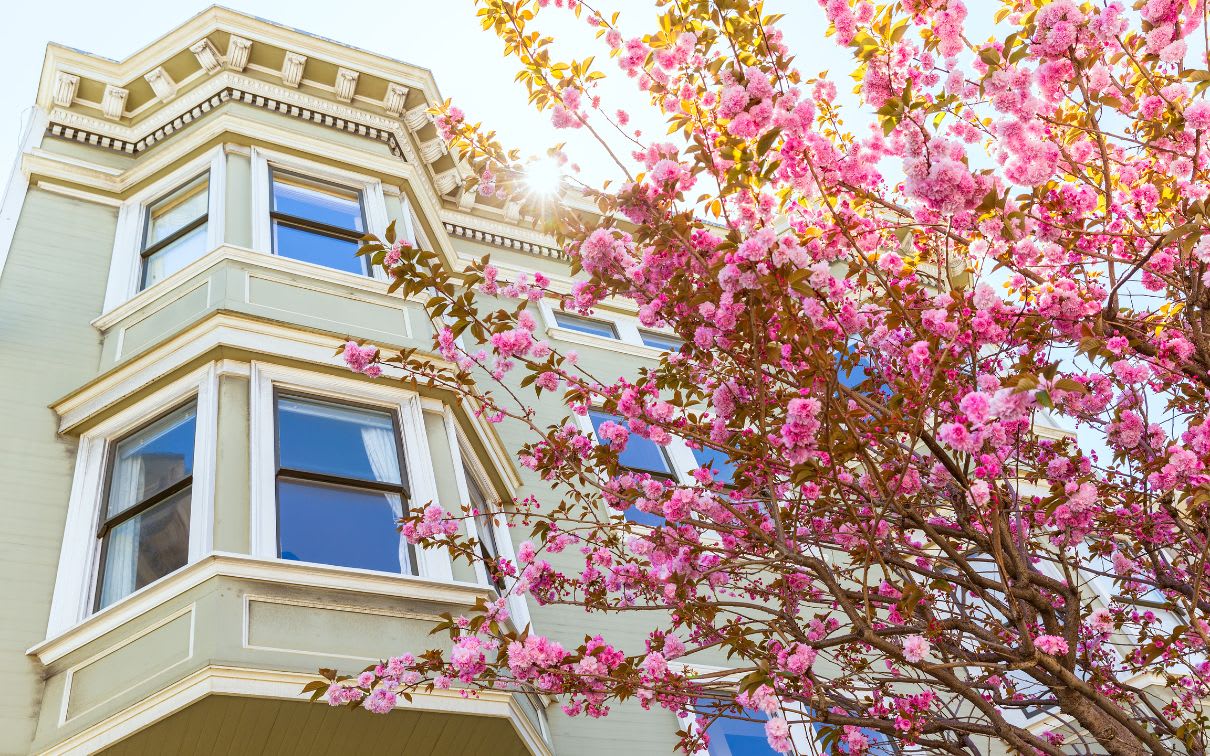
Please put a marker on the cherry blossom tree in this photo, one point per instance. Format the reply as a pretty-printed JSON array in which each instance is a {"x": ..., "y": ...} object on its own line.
[{"x": 955, "y": 360}]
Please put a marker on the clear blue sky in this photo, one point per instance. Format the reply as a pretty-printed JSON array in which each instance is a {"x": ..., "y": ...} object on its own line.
[{"x": 442, "y": 36}]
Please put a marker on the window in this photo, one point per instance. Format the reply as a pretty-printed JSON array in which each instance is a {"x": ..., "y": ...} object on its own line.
[
  {"x": 144, "y": 531},
  {"x": 719, "y": 463},
  {"x": 317, "y": 222},
  {"x": 340, "y": 485},
  {"x": 485, "y": 529},
  {"x": 657, "y": 340},
  {"x": 602, "y": 328},
  {"x": 641, "y": 455},
  {"x": 740, "y": 737},
  {"x": 743, "y": 734},
  {"x": 175, "y": 230}
]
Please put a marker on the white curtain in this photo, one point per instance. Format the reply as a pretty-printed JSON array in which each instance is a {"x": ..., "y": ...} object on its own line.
[
  {"x": 122, "y": 551},
  {"x": 384, "y": 461}
]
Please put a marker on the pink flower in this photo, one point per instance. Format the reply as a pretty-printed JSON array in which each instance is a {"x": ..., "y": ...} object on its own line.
[
  {"x": 915, "y": 648},
  {"x": 1051, "y": 644},
  {"x": 360, "y": 359},
  {"x": 1197, "y": 115},
  {"x": 777, "y": 730},
  {"x": 380, "y": 701}
]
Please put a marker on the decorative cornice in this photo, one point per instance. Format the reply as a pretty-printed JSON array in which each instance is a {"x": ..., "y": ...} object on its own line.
[
  {"x": 238, "y": 51},
  {"x": 499, "y": 240},
  {"x": 238, "y": 94}
]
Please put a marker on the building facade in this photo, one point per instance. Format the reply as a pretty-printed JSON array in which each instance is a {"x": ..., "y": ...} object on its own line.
[{"x": 201, "y": 495}]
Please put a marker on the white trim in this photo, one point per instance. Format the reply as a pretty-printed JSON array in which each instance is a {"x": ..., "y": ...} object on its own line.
[
  {"x": 244, "y": 567},
  {"x": 75, "y": 581},
  {"x": 256, "y": 683},
  {"x": 432, "y": 563},
  {"x": 460, "y": 452},
  {"x": 238, "y": 331},
  {"x": 373, "y": 200},
  {"x": 317, "y": 277},
  {"x": 126, "y": 263},
  {"x": 18, "y": 182},
  {"x": 77, "y": 194},
  {"x": 629, "y": 340},
  {"x": 409, "y": 229}
]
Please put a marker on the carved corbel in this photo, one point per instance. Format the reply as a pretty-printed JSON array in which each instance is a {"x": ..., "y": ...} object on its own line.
[
  {"x": 113, "y": 102},
  {"x": 292, "y": 68},
  {"x": 162, "y": 84},
  {"x": 65, "y": 89},
  {"x": 206, "y": 54}
]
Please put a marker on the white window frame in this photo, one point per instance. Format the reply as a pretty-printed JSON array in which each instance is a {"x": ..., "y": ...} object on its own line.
[
  {"x": 373, "y": 200},
  {"x": 76, "y": 580},
  {"x": 431, "y": 563},
  {"x": 629, "y": 340},
  {"x": 126, "y": 266},
  {"x": 464, "y": 457}
]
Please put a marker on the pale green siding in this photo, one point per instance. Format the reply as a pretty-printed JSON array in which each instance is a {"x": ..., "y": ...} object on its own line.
[
  {"x": 51, "y": 288},
  {"x": 232, "y": 497},
  {"x": 237, "y": 227}
]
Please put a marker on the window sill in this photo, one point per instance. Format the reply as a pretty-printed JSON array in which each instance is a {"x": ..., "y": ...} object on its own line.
[{"x": 242, "y": 566}]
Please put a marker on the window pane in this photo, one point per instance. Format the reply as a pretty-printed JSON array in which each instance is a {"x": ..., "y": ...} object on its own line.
[
  {"x": 641, "y": 454},
  {"x": 171, "y": 258},
  {"x": 145, "y": 548},
  {"x": 338, "y": 525},
  {"x": 152, "y": 459},
  {"x": 586, "y": 325},
  {"x": 336, "y": 439},
  {"x": 177, "y": 210},
  {"x": 317, "y": 201},
  {"x": 739, "y": 737},
  {"x": 661, "y": 340},
  {"x": 314, "y": 247},
  {"x": 484, "y": 526},
  {"x": 724, "y": 469}
]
